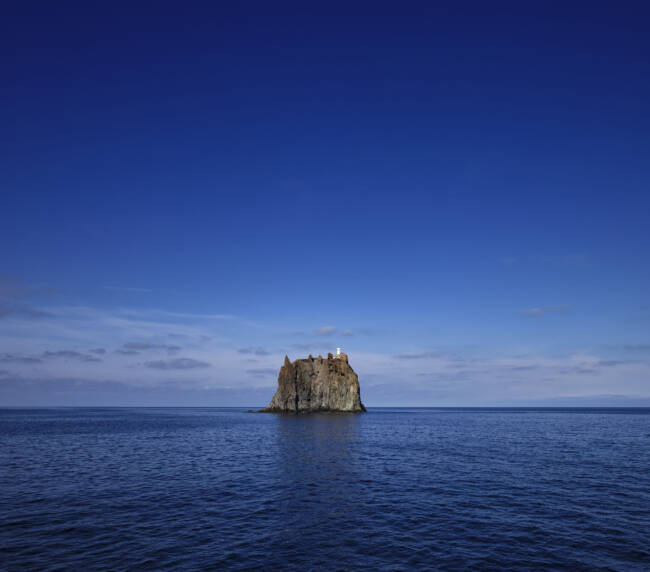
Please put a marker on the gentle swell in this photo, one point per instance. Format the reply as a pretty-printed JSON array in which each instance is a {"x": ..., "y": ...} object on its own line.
[{"x": 191, "y": 489}]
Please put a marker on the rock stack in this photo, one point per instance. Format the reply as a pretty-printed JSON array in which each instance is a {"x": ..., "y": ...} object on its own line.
[{"x": 316, "y": 384}]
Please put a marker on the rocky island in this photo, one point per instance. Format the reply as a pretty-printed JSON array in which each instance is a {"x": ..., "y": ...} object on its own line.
[{"x": 316, "y": 384}]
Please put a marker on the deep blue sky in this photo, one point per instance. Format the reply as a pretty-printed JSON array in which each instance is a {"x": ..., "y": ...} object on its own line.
[{"x": 462, "y": 190}]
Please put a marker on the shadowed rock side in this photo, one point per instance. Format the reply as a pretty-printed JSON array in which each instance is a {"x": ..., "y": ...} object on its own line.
[{"x": 316, "y": 384}]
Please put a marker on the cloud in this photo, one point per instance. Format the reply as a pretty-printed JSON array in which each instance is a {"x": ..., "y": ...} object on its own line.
[
  {"x": 98, "y": 351},
  {"x": 143, "y": 346},
  {"x": 15, "y": 288},
  {"x": 508, "y": 260},
  {"x": 569, "y": 259},
  {"x": 77, "y": 391},
  {"x": 325, "y": 330},
  {"x": 23, "y": 311},
  {"x": 262, "y": 371},
  {"x": 347, "y": 333},
  {"x": 580, "y": 370},
  {"x": 304, "y": 347},
  {"x": 535, "y": 312},
  {"x": 419, "y": 355},
  {"x": 166, "y": 315},
  {"x": 126, "y": 289},
  {"x": 70, "y": 354},
  {"x": 177, "y": 363},
  {"x": 257, "y": 351},
  {"x": 441, "y": 374},
  {"x": 560, "y": 308},
  {"x": 10, "y": 358},
  {"x": 12, "y": 287}
]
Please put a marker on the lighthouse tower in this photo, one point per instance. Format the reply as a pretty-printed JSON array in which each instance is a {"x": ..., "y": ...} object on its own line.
[{"x": 340, "y": 355}]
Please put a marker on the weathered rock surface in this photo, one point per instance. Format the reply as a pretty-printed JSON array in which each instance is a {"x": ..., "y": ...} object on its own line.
[{"x": 316, "y": 384}]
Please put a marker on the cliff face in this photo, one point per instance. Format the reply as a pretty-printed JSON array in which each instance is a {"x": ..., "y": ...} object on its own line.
[{"x": 316, "y": 384}]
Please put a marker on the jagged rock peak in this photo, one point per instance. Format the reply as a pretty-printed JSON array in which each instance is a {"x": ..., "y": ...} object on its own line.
[{"x": 311, "y": 385}]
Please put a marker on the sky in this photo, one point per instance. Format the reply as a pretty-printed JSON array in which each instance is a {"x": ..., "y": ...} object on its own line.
[{"x": 455, "y": 193}]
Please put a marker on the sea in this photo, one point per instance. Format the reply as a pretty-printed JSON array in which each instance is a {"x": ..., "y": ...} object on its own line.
[{"x": 391, "y": 489}]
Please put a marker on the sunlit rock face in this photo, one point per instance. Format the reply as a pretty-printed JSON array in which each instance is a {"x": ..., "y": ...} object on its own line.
[{"x": 316, "y": 384}]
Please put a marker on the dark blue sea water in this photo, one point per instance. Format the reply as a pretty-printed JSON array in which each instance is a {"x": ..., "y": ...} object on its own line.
[{"x": 393, "y": 489}]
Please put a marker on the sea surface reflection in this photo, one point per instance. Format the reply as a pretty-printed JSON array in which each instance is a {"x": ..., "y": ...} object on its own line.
[{"x": 388, "y": 490}]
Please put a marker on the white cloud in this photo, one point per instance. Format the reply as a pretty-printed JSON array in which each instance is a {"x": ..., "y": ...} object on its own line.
[
  {"x": 127, "y": 289},
  {"x": 64, "y": 348},
  {"x": 547, "y": 310},
  {"x": 325, "y": 330},
  {"x": 177, "y": 363}
]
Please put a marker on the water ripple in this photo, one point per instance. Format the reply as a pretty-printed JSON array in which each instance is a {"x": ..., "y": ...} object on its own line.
[{"x": 126, "y": 489}]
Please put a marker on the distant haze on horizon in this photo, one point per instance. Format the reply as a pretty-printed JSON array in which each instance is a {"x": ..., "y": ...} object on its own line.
[{"x": 455, "y": 195}]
